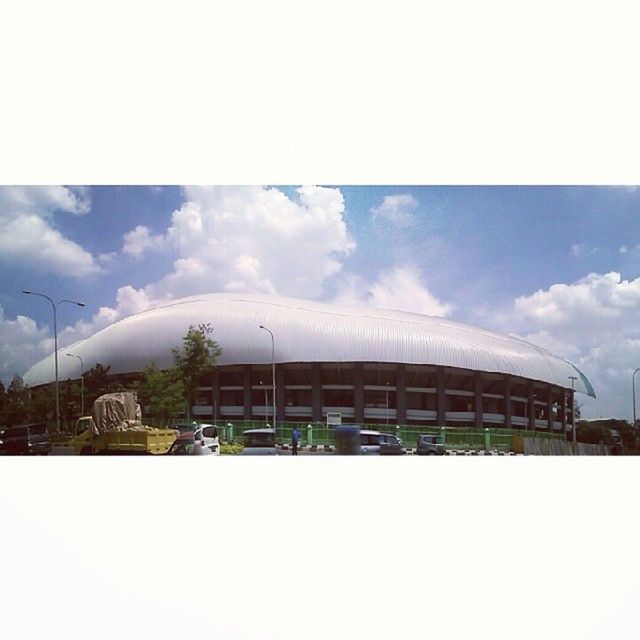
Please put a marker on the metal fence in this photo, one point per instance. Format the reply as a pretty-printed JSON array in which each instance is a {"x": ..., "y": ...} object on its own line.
[{"x": 320, "y": 434}]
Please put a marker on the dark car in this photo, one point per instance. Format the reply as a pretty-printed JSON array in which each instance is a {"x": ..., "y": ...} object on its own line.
[
  {"x": 391, "y": 445},
  {"x": 429, "y": 445},
  {"x": 27, "y": 439}
]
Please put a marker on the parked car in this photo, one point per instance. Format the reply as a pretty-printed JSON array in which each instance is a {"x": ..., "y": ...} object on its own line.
[
  {"x": 259, "y": 442},
  {"x": 207, "y": 435},
  {"x": 391, "y": 445},
  {"x": 429, "y": 445},
  {"x": 198, "y": 442},
  {"x": 27, "y": 439},
  {"x": 376, "y": 443}
]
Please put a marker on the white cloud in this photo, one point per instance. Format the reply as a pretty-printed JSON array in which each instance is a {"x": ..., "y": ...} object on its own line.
[
  {"x": 397, "y": 209},
  {"x": 252, "y": 239},
  {"x": 43, "y": 201},
  {"x": 21, "y": 344},
  {"x": 594, "y": 323},
  {"x": 400, "y": 289},
  {"x": 128, "y": 302},
  {"x": 29, "y": 237},
  {"x": 140, "y": 240},
  {"x": 579, "y": 250}
]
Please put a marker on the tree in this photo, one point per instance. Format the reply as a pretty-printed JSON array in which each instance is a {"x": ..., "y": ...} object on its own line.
[
  {"x": 42, "y": 405},
  {"x": 16, "y": 402},
  {"x": 96, "y": 383},
  {"x": 196, "y": 357},
  {"x": 3, "y": 399},
  {"x": 161, "y": 393}
]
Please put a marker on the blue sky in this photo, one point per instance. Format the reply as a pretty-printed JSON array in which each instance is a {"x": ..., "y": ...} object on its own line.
[{"x": 559, "y": 266}]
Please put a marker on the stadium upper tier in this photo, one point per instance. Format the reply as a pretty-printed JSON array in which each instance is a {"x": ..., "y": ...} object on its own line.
[{"x": 306, "y": 331}]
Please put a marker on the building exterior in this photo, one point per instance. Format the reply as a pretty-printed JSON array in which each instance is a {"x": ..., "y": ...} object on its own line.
[{"x": 371, "y": 365}]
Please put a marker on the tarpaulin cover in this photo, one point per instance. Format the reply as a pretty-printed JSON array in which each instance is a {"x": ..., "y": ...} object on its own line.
[{"x": 116, "y": 412}]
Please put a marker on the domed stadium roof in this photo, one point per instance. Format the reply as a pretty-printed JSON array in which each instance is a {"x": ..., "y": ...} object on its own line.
[{"x": 306, "y": 331}]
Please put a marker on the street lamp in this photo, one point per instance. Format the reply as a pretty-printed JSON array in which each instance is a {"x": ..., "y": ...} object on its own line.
[
  {"x": 387, "y": 390},
  {"x": 55, "y": 344},
  {"x": 573, "y": 408},
  {"x": 73, "y": 355},
  {"x": 266, "y": 404},
  {"x": 633, "y": 382},
  {"x": 273, "y": 370}
]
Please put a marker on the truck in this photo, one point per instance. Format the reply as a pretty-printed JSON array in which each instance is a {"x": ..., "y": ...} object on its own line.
[{"x": 115, "y": 427}]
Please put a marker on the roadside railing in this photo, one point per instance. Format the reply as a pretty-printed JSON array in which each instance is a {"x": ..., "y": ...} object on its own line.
[{"x": 320, "y": 434}]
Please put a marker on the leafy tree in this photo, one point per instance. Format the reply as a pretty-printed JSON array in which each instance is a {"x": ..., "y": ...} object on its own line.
[
  {"x": 16, "y": 402},
  {"x": 96, "y": 383},
  {"x": 196, "y": 357},
  {"x": 161, "y": 393},
  {"x": 3, "y": 399},
  {"x": 42, "y": 405}
]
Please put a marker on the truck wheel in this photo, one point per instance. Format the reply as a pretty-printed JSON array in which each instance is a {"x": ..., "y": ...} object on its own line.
[
  {"x": 86, "y": 451},
  {"x": 431, "y": 453}
]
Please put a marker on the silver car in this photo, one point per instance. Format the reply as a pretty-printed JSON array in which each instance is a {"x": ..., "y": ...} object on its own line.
[
  {"x": 376, "y": 443},
  {"x": 259, "y": 442}
]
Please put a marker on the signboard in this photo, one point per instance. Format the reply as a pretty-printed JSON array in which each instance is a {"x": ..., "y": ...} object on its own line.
[{"x": 334, "y": 419}]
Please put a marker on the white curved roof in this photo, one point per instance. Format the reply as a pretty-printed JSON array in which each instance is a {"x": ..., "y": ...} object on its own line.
[{"x": 306, "y": 331}]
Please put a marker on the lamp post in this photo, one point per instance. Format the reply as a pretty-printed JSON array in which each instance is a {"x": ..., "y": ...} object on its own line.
[
  {"x": 633, "y": 382},
  {"x": 55, "y": 344},
  {"x": 73, "y": 355},
  {"x": 387, "y": 414},
  {"x": 273, "y": 370},
  {"x": 573, "y": 409},
  {"x": 266, "y": 404}
]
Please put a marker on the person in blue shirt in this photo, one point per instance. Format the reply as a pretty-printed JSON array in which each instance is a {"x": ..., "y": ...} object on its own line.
[{"x": 295, "y": 438}]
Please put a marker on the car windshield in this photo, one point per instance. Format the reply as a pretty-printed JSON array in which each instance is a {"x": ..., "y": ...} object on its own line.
[
  {"x": 38, "y": 429},
  {"x": 259, "y": 440},
  {"x": 429, "y": 439}
]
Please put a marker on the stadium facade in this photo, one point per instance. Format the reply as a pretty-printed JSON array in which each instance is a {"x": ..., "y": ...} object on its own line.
[{"x": 373, "y": 366}]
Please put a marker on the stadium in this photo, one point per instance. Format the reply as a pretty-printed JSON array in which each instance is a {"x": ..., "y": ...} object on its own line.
[{"x": 373, "y": 366}]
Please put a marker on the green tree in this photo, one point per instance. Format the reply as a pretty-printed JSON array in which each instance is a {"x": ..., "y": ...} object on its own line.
[
  {"x": 3, "y": 400},
  {"x": 196, "y": 356},
  {"x": 16, "y": 402},
  {"x": 42, "y": 405},
  {"x": 161, "y": 393},
  {"x": 96, "y": 383}
]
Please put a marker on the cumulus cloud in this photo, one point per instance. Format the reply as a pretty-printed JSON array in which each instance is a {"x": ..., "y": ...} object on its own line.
[
  {"x": 397, "y": 209},
  {"x": 252, "y": 239},
  {"x": 29, "y": 237},
  {"x": 21, "y": 344},
  {"x": 400, "y": 288},
  {"x": 139, "y": 240},
  {"x": 128, "y": 302},
  {"x": 595, "y": 323},
  {"x": 43, "y": 201},
  {"x": 579, "y": 250}
]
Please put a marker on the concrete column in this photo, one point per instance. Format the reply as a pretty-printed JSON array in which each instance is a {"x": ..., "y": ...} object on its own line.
[
  {"x": 564, "y": 412},
  {"x": 215, "y": 394},
  {"x": 401, "y": 394},
  {"x": 316, "y": 392},
  {"x": 280, "y": 382},
  {"x": 477, "y": 387},
  {"x": 530, "y": 400},
  {"x": 440, "y": 397},
  {"x": 246, "y": 377},
  {"x": 358, "y": 392},
  {"x": 507, "y": 402},
  {"x": 549, "y": 408}
]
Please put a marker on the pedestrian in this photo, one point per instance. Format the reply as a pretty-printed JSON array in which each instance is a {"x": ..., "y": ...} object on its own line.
[{"x": 295, "y": 438}]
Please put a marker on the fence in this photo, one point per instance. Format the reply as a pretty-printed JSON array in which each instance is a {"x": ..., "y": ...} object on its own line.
[{"x": 314, "y": 433}]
